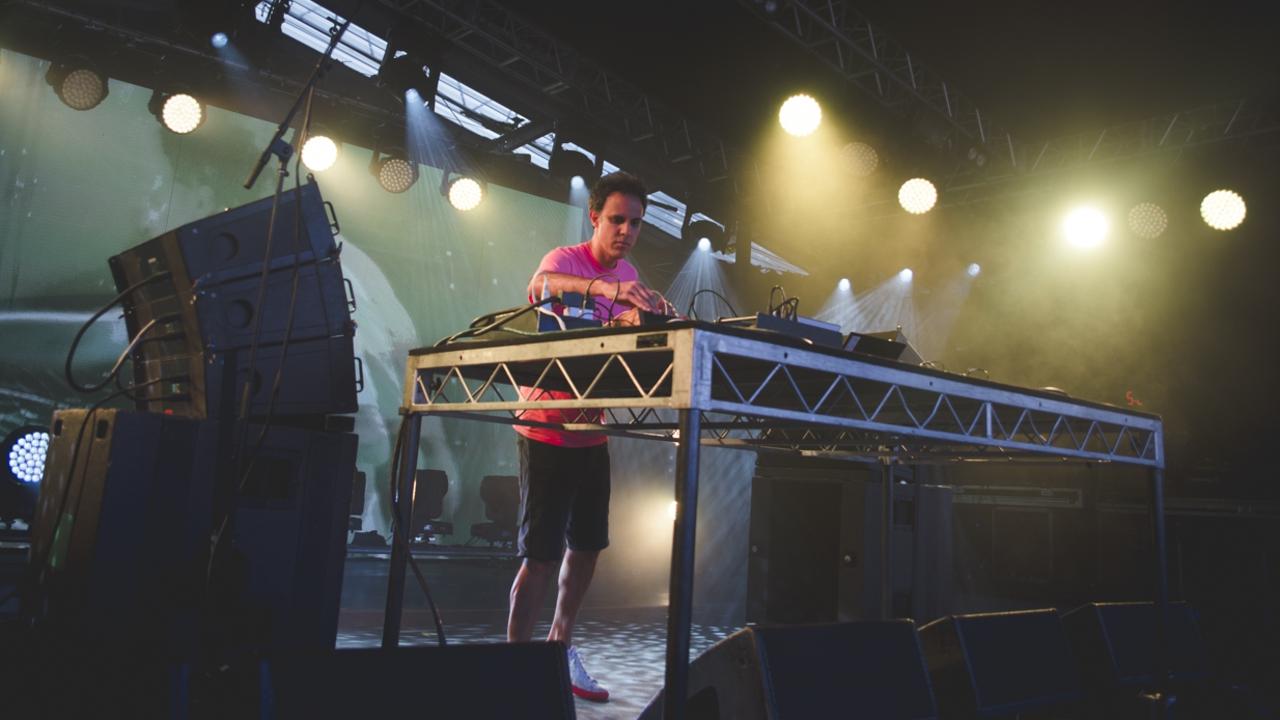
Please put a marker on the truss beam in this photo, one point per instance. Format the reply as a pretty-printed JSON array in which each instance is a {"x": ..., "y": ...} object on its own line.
[{"x": 640, "y": 130}]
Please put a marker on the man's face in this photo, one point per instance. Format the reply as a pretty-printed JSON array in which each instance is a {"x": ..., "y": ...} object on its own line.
[{"x": 617, "y": 226}]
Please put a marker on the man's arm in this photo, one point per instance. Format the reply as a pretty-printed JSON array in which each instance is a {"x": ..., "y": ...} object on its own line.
[{"x": 632, "y": 292}]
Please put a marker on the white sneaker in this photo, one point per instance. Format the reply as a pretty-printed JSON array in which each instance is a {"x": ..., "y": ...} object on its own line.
[{"x": 584, "y": 686}]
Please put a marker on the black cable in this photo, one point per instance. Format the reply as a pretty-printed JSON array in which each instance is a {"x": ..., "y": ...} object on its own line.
[
  {"x": 71, "y": 352},
  {"x": 243, "y": 462},
  {"x": 772, "y": 290},
  {"x": 399, "y": 535},
  {"x": 514, "y": 313},
  {"x": 732, "y": 312},
  {"x": 293, "y": 301},
  {"x": 617, "y": 288}
]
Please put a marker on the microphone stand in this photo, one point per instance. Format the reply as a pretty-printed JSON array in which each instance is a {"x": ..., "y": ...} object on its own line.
[{"x": 277, "y": 146}]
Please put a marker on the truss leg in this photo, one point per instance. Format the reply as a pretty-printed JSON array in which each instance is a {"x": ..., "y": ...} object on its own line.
[
  {"x": 680, "y": 607},
  {"x": 400, "y": 549},
  {"x": 886, "y": 540},
  {"x": 1162, "y": 699}
]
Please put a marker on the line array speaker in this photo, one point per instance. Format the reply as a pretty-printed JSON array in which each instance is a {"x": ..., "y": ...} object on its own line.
[{"x": 206, "y": 311}]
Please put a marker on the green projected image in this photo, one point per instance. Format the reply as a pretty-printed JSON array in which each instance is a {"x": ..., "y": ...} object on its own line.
[{"x": 83, "y": 186}]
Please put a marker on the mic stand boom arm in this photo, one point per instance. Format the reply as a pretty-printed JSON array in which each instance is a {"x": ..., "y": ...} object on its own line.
[{"x": 278, "y": 146}]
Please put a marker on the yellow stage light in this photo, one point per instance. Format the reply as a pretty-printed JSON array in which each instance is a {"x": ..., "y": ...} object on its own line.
[
  {"x": 800, "y": 115},
  {"x": 1223, "y": 210}
]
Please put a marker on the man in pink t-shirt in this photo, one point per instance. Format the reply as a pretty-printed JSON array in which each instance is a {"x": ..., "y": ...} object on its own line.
[{"x": 564, "y": 476}]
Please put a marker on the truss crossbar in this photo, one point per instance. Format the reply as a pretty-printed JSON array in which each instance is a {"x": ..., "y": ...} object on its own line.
[
  {"x": 759, "y": 392},
  {"x": 577, "y": 86}
]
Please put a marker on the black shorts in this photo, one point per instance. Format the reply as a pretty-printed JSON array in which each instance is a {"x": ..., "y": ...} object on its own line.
[{"x": 564, "y": 493}]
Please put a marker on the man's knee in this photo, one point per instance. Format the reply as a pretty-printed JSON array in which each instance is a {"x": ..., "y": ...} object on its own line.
[{"x": 538, "y": 570}]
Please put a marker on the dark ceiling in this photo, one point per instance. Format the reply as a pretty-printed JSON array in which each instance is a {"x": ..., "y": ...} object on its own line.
[{"x": 1039, "y": 69}]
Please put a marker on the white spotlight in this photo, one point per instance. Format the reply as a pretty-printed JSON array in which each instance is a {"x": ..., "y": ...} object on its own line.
[
  {"x": 800, "y": 115},
  {"x": 860, "y": 158},
  {"x": 465, "y": 193},
  {"x": 974, "y": 269},
  {"x": 1147, "y": 220},
  {"x": 905, "y": 275},
  {"x": 1085, "y": 227},
  {"x": 577, "y": 182},
  {"x": 219, "y": 40},
  {"x": 182, "y": 113},
  {"x": 1223, "y": 210},
  {"x": 319, "y": 153},
  {"x": 844, "y": 285},
  {"x": 704, "y": 244},
  {"x": 917, "y": 196}
]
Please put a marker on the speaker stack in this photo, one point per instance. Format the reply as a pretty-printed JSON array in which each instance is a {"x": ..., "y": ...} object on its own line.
[
  {"x": 131, "y": 498},
  {"x": 230, "y": 312}
]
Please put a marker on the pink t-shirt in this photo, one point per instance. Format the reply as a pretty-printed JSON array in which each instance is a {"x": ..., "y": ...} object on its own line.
[{"x": 574, "y": 260}]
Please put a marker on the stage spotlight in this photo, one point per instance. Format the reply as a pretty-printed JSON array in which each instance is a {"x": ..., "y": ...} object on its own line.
[
  {"x": 704, "y": 244},
  {"x": 1223, "y": 210},
  {"x": 1147, "y": 220},
  {"x": 577, "y": 182},
  {"x": 179, "y": 112},
  {"x": 319, "y": 153},
  {"x": 905, "y": 275},
  {"x": 860, "y": 158},
  {"x": 395, "y": 174},
  {"x": 917, "y": 196},
  {"x": 77, "y": 85},
  {"x": 407, "y": 77},
  {"x": 696, "y": 231},
  {"x": 219, "y": 40},
  {"x": 24, "y": 452},
  {"x": 464, "y": 193},
  {"x": 1085, "y": 227},
  {"x": 570, "y": 164},
  {"x": 974, "y": 269},
  {"x": 844, "y": 285},
  {"x": 800, "y": 115}
]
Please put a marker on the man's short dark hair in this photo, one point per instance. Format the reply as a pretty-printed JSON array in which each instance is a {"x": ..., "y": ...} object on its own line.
[{"x": 618, "y": 182}]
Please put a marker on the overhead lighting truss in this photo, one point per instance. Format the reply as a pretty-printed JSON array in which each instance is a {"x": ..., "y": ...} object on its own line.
[
  {"x": 877, "y": 65},
  {"x": 646, "y": 133}
]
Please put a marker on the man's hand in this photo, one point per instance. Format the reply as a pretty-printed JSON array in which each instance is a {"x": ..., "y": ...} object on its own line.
[
  {"x": 636, "y": 294},
  {"x": 630, "y": 318}
]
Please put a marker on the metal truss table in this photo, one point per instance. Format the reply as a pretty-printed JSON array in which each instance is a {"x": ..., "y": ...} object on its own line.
[{"x": 697, "y": 383}]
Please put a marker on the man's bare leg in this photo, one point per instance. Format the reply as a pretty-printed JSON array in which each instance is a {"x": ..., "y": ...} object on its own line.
[
  {"x": 527, "y": 593},
  {"x": 575, "y": 577}
]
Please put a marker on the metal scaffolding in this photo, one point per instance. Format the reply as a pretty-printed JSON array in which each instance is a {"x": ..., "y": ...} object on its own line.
[
  {"x": 641, "y": 132},
  {"x": 695, "y": 383}
]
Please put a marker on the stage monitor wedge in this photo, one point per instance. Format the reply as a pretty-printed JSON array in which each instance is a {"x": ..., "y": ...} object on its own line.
[{"x": 871, "y": 670}]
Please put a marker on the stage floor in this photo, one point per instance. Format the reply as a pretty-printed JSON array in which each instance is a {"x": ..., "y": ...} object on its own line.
[{"x": 624, "y": 649}]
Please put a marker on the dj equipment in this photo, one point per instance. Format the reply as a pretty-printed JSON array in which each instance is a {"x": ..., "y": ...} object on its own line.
[
  {"x": 207, "y": 312},
  {"x": 815, "y": 331},
  {"x": 863, "y": 670},
  {"x": 889, "y": 344}
]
